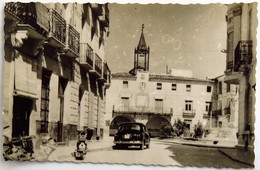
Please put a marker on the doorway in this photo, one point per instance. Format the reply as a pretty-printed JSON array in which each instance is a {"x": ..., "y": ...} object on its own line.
[{"x": 22, "y": 109}]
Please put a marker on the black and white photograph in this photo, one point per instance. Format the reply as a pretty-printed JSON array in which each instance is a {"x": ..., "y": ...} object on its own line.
[{"x": 154, "y": 84}]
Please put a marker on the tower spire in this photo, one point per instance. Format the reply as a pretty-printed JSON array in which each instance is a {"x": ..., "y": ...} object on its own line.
[{"x": 142, "y": 44}]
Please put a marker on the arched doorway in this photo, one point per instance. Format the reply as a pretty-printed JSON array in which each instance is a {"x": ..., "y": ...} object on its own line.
[
  {"x": 116, "y": 122},
  {"x": 154, "y": 126}
]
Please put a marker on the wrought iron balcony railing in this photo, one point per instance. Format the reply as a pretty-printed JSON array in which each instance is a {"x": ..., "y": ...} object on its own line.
[
  {"x": 243, "y": 56},
  {"x": 57, "y": 26},
  {"x": 86, "y": 56},
  {"x": 73, "y": 38},
  {"x": 189, "y": 113},
  {"x": 216, "y": 112},
  {"x": 35, "y": 15},
  {"x": 98, "y": 64},
  {"x": 227, "y": 111},
  {"x": 145, "y": 110}
]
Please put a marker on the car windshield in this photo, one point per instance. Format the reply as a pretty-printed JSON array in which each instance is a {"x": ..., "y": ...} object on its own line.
[{"x": 130, "y": 127}]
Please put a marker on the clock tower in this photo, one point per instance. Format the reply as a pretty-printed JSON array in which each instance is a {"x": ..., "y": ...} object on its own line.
[{"x": 141, "y": 55}]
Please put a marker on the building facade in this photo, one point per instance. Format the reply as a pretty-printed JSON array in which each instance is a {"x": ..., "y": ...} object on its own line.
[
  {"x": 223, "y": 119},
  {"x": 156, "y": 99},
  {"x": 55, "y": 71},
  {"x": 241, "y": 65}
]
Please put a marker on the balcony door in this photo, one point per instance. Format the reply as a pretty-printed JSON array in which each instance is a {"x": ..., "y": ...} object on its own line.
[
  {"x": 125, "y": 103},
  {"x": 158, "y": 106}
]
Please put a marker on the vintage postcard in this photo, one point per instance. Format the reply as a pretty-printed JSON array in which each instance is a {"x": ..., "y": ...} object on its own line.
[{"x": 131, "y": 84}]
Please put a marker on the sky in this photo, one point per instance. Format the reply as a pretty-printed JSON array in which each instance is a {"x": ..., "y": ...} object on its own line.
[{"x": 188, "y": 37}]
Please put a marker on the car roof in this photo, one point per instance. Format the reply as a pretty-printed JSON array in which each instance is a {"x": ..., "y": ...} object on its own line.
[{"x": 135, "y": 123}]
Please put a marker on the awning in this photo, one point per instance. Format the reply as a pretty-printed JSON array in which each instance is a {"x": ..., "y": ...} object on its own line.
[{"x": 25, "y": 76}]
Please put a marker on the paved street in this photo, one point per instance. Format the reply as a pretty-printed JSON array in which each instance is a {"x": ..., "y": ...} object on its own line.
[
  {"x": 202, "y": 157},
  {"x": 159, "y": 153}
]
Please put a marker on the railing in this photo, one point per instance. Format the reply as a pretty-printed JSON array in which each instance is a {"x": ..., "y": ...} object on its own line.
[
  {"x": 14, "y": 8},
  {"x": 98, "y": 64},
  {"x": 57, "y": 26},
  {"x": 136, "y": 109},
  {"x": 216, "y": 112},
  {"x": 73, "y": 39},
  {"x": 87, "y": 55},
  {"x": 227, "y": 111},
  {"x": 189, "y": 113},
  {"x": 105, "y": 71},
  {"x": 34, "y": 14}
]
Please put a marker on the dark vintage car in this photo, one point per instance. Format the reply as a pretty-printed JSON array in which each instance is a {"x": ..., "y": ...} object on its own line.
[{"x": 130, "y": 134}]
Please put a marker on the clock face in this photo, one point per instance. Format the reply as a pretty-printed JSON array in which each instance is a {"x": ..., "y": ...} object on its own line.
[{"x": 142, "y": 86}]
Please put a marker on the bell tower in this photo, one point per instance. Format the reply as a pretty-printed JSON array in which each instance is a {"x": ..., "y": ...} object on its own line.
[{"x": 141, "y": 55}]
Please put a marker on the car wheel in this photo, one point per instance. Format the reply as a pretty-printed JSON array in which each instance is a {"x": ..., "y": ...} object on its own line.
[
  {"x": 142, "y": 146},
  {"x": 148, "y": 146}
]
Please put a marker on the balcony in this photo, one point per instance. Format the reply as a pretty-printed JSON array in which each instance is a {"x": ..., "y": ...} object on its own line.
[
  {"x": 227, "y": 111},
  {"x": 206, "y": 116},
  {"x": 57, "y": 35},
  {"x": 72, "y": 42},
  {"x": 240, "y": 64},
  {"x": 96, "y": 9},
  {"x": 33, "y": 18},
  {"x": 188, "y": 113},
  {"x": 216, "y": 113},
  {"x": 105, "y": 74},
  {"x": 141, "y": 110},
  {"x": 86, "y": 56},
  {"x": 12, "y": 10},
  {"x": 97, "y": 69},
  {"x": 243, "y": 55},
  {"x": 104, "y": 18}
]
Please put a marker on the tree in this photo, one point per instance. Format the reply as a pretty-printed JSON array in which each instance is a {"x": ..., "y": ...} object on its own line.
[
  {"x": 167, "y": 129},
  {"x": 198, "y": 130},
  {"x": 179, "y": 127}
]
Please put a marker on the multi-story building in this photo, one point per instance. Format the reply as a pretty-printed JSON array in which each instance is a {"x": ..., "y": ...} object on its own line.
[
  {"x": 156, "y": 99},
  {"x": 223, "y": 118},
  {"x": 55, "y": 71},
  {"x": 241, "y": 64}
]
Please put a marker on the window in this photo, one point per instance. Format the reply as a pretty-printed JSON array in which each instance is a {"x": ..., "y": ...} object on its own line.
[
  {"x": 174, "y": 87},
  {"x": 125, "y": 84},
  {"x": 107, "y": 122},
  {"x": 220, "y": 87},
  {"x": 208, "y": 106},
  {"x": 208, "y": 89},
  {"x": 228, "y": 87},
  {"x": 188, "y": 87},
  {"x": 158, "y": 105},
  {"x": 45, "y": 93},
  {"x": 188, "y": 105},
  {"x": 159, "y": 86},
  {"x": 125, "y": 103},
  {"x": 230, "y": 50}
]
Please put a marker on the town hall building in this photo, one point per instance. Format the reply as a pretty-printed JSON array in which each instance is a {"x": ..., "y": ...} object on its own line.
[{"x": 157, "y": 99}]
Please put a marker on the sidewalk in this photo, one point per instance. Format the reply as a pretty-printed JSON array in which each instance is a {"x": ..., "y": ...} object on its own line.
[
  {"x": 226, "y": 148},
  {"x": 63, "y": 152},
  {"x": 201, "y": 143}
]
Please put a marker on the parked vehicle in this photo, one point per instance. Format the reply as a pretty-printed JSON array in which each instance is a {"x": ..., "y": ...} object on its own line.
[
  {"x": 81, "y": 147},
  {"x": 18, "y": 148},
  {"x": 130, "y": 134}
]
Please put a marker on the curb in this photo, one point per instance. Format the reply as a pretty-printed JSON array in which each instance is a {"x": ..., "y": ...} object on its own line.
[
  {"x": 200, "y": 145},
  {"x": 234, "y": 159}
]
